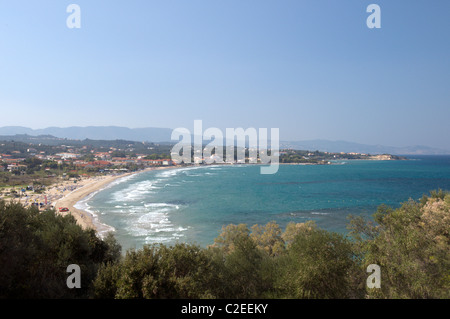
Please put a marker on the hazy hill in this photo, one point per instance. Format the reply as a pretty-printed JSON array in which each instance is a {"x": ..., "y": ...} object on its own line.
[
  {"x": 159, "y": 135},
  {"x": 343, "y": 146},
  {"x": 150, "y": 134}
]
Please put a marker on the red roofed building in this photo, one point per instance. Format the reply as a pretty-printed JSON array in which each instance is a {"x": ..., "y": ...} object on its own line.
[{"x": 100, "y": 163}]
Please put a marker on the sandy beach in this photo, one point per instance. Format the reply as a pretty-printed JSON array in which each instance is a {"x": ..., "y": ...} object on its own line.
[
  {"x": 84, "y": 189},
  {"x": 91, "y": 185}
]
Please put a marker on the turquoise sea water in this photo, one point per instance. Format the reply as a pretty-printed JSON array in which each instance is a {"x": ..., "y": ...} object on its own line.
[{"x": 192, "y": 204}]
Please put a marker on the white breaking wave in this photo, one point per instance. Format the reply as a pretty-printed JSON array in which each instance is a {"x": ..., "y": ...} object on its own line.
[
  {"x": 134, "y": 192},
  {"x": 102, "y": 229},
  {"x": 317, "y": 213},
  {"x": 152, "y": 221},
  {"x": 173, "y": 172},
  {"x": 131, "y": 207}
]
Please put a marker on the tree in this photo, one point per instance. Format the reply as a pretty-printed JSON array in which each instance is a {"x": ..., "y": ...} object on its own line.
[
  {"x": 227, "y": 238},
  {"x": 411, "y": 245},
  {"x": 243, "y": 270},
  {"x": 318, "y": 264},
  {"x": 293, "y": 229},
  {"x": 36, "y": 248},
  {"x": 157, "y": 272},
  {"x": 268, "y": 238}
]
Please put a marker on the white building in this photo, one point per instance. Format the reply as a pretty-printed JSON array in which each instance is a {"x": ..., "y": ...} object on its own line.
[{"x": 68, "y": 155}]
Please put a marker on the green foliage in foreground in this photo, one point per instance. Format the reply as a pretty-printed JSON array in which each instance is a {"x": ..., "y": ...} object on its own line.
[
  {"x": 36, "y": 248},
  {"x": 411, "y": 245}
]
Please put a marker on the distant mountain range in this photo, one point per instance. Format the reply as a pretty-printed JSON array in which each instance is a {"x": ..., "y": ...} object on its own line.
[
  {"x": 151, "y": 134},
  {"x": 160, "y": 135}
]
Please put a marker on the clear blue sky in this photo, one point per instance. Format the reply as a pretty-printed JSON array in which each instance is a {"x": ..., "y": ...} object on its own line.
[{"x": 311, "y": 68}]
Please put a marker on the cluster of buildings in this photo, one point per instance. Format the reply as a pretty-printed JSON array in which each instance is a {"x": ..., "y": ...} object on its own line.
[
  {"x": 104, "y": 160},
  {"x": 99, "y": 160},
  {"x": 10, "y": 163}
]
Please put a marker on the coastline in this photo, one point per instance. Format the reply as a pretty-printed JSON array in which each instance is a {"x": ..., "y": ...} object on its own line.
[
  {"x": 83, "y": 218},
  {"x": 94, "y": 184}
]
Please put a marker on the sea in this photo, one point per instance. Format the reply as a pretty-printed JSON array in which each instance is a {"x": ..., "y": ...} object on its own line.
[{"x": 192, "y": 204}]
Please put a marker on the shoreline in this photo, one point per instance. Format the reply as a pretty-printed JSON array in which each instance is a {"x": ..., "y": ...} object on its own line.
[
  {"x": 83, "y": 218},
  {"x": 92, "y": 185}
]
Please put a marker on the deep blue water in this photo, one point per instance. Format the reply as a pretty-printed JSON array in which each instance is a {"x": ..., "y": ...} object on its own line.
[{"x": 192, "y": 204}]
